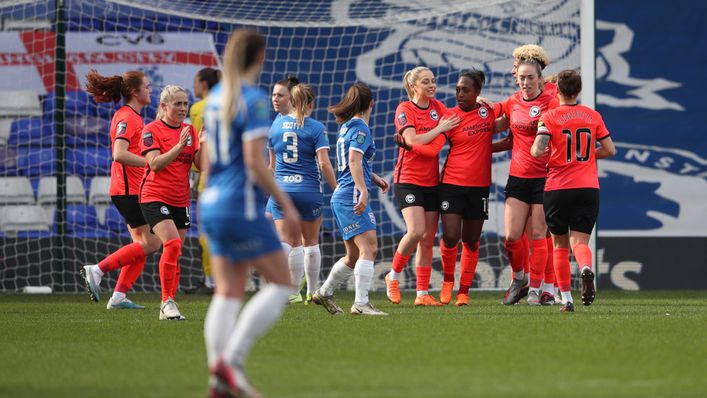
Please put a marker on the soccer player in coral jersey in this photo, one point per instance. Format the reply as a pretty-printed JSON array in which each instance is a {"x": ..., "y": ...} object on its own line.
[
  {"x": 526, "y": 180},
  {"x": 572, "y": 187},
  {"x": 538, "y": 54},
  {"x": 416, "y": 177},
  {"x": 126, "y": 173},
  {"x": 464, "y": 195},
  {"x": 170, "y": 147}
]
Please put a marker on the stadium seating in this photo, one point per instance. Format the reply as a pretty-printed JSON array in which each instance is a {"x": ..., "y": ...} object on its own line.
[
  {"x": 98, "y": 191},
  {"x": 19, "y": 104},
  {"x": 31, "y": 131},
  {"x": 14, "y": 219},
  {"x": 87, "y": 131},
  {"x": 89, "y": 161},
  {"x": 8, "y": 161},
  {"x": 99, "y": 197},
  {"x": 16, "y": 191},
  {"x": 36, "y": 161},
  {"x": 79, "y": 103},
  {"x": 82, "y": 221},
  {"x": 5, "y": 126},
  {"x": 114, "y": 222},
  {"x": 75, "y": 192}
]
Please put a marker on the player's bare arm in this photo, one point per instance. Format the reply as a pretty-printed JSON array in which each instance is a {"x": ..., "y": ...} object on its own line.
[
  {"x": 540, "y": 145},
  {"x": 607, "y": 149}
]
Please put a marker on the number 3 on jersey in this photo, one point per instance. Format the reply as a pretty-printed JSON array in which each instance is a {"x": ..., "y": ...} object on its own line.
[
  {"x": 290, "y": 138},
  {"x": 581, "y": 134}
]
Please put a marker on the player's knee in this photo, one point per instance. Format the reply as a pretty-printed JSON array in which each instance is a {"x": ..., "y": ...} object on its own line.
[
  {"x": 416, "y": 233},
  {"x": 450, "y": 240},
  {"x": 369, "y": 253},
  {"x": 350, "y": 259},
  {"x": 512, "y": 236},
  {"x": 428, "y": 240},
  {"x": 538, "y": 235},
  {"x": 150, "y": 246}
]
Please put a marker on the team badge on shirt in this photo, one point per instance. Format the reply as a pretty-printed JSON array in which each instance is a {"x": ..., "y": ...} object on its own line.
[
  {"x": 147, "y": 139},
  {"x": 360, "y": 137},
  {"x": 189, "y": 142},
  {"x": 483, "y": 113},
  {"x": 122, "y": 128},
  {"x": 534, "y": 111},
  {"x": 402, "y": 120},
  {"x": 434, "y": 115}
]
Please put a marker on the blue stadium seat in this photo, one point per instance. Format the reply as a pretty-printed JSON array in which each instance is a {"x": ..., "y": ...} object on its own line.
[
  {"x": 87, "y": 130},
  {"x": 32, "y": 131},
  {"x": 89, "y": 161},
  {"x": 79, "y": 103},
  {"x": 8, "y": 161},
  {"x": 36, "y": 161},
  {"x": 115, "y": 224},
  {"x": 81, "y": 221}
]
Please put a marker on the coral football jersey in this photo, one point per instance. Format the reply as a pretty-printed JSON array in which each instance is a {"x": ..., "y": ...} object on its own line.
[
  {"x": 469, "y": 160},
  {"x": 411, "y": 168},
  {"x": 523, "y": 116},
  {"x": 171, "y": 184},
  {"x": 574, "y": 131},
  {"x": 126, "y": 125}
]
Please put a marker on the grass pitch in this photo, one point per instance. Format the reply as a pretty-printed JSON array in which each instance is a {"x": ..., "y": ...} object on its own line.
[{"x": 625, "y": 345}]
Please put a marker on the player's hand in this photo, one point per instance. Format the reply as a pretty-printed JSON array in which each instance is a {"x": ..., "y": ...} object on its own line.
[
  {"x": 362, "y": 202},
  {"x": 202, "y": 136},
  {"x": 483, "y": 101},
  {"x": 450, "y": 123},
  {"x": 381, "y": 183},
  {"x": 184, "y": 136},
  {"x": 400, "y": 141}
]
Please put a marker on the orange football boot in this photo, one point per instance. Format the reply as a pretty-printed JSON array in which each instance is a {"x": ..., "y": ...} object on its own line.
[
  {"x": 392, "y": 289},
  {"x": 462, "y": 299},
  {"x": 427, "y": 301},
  {"x": 445, "y": 296}
]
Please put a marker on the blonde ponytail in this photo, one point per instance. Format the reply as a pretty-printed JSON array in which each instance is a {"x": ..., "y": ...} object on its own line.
[{"x": 302, "y": 96}]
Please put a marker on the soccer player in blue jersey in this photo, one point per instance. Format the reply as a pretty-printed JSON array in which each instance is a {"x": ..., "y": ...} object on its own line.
[
  {"x": 299, "y": 147},
  {"x": 349, "y": 203},
  {"x": 237, "y": 121}
]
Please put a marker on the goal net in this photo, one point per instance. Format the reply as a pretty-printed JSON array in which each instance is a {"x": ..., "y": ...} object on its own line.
[{"x": 329, "y": 44}]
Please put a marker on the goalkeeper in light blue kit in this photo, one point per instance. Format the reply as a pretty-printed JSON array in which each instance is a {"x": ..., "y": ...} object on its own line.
[
  {"x": 237, "y": 122},
  {"x": 349, "y": 203},
  {"x": 299, "y": 155}
]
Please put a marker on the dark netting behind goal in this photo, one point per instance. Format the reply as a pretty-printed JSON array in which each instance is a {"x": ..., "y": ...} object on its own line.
[{"x": 47, "y": 234}]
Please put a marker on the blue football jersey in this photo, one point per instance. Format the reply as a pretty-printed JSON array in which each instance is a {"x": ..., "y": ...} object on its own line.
[
  {"x": 229, "y": 188},
  {"x": 353, "y": 135},
  {"x": 295, "y": 147}
]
